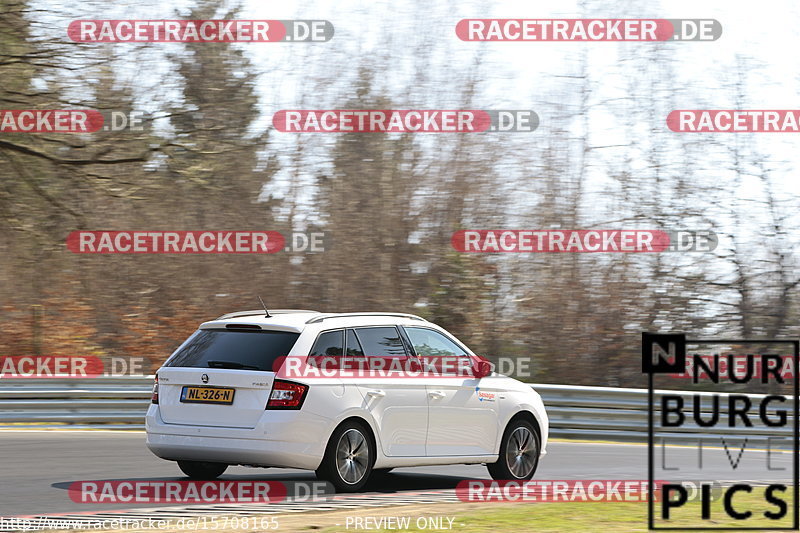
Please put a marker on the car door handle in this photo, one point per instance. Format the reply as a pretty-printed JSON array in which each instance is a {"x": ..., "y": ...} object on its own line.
[
  {"x": 436, "y": 394},
  {"x": 376, "y": 393}
]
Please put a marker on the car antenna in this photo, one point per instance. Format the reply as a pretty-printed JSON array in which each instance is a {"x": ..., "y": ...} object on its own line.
[{"x": 264, "y": 306}]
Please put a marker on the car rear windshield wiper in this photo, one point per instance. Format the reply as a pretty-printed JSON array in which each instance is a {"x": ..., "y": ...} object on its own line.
[{"x": 231, "y": 364}]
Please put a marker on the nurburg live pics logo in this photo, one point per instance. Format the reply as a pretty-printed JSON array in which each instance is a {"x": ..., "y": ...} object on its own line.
[{"x": 752, "y": 420}]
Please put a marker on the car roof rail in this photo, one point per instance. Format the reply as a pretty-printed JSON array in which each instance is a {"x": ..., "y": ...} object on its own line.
[
  {"x": 262, "y": 312},
  {"x": 317, "y": 319}
]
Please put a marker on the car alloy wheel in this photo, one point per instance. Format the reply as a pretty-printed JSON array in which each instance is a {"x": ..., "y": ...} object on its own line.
[
  {"x": 349, "y": 457},
  {"x": 521, "y": 452},
  {"x": 352, "y": 456}
]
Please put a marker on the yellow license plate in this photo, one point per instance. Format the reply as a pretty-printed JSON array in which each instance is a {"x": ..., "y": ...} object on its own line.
[{"x": 207, "y": 395}]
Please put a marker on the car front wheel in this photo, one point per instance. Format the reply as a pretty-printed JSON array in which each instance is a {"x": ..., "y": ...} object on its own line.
[{"x": 519, "y": 452}]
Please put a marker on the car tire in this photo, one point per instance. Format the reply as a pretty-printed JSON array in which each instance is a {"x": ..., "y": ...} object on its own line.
[
  {"x": 519, "y": 452},
  {"x": 201, "y": 470},
  {"x": 349, "y": 457}
]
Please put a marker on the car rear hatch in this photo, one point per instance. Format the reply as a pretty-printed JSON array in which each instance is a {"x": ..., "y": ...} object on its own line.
[{"x": 221, "y": 377}]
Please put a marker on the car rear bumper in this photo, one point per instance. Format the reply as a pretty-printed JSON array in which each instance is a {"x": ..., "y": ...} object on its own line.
[{"x": 289, "y": 439}]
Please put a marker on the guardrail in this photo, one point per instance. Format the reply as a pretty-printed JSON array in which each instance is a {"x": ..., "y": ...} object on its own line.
[
  {"x": 114, "y": 403},
  {"x": 603, "y": 413},
  {"x": 618, "y": 414}
]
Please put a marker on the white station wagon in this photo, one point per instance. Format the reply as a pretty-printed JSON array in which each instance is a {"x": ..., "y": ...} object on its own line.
[{"x": 242, "y": 390}]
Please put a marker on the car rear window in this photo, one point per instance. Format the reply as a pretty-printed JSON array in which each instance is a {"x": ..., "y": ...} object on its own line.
[{"x": 245, "y": 350}]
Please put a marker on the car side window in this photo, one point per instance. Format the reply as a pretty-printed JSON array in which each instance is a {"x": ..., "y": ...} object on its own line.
[
  {"x": 353, "y": 347},
  {"x": 430, "y": 343},
  {"x": 381, "y": 342},
  {"x": 329, "y": 343}
]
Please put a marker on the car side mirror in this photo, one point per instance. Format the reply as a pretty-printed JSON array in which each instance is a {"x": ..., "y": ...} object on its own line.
[{"x": 482, "y": 368}]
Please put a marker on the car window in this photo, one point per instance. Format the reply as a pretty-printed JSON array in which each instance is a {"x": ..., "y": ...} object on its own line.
[
  {"x": 329, "y": 343},
  {"x": 381, "y": 342},
  {"x": 245, "y": 350},
  {"x": 353, "y": 347},
  {"x": 430, "y": 343}
]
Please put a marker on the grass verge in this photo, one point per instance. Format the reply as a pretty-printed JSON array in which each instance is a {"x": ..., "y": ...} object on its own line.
[{"x": 509, "y": 517}]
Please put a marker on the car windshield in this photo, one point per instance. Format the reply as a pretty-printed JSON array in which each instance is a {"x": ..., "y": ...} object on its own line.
[{"x": 241, "y": 350}]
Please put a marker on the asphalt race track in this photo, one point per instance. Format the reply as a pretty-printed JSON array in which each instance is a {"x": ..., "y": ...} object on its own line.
[{"x": 38, "y": 466}]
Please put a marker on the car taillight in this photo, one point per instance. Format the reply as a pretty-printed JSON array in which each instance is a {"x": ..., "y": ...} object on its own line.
[
  {"x": 286, "y": 395},
  {"x": 154, "y": 397}
]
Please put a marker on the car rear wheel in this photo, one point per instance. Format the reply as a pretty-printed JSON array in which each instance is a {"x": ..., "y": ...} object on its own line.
[
  {"x": 200, "y": 470},
  {"x": 519, "y": 452},
  {"x": 348, "y": 458}
]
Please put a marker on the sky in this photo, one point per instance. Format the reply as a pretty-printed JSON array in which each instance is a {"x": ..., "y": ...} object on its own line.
[{"x": 394, "y": 35}]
